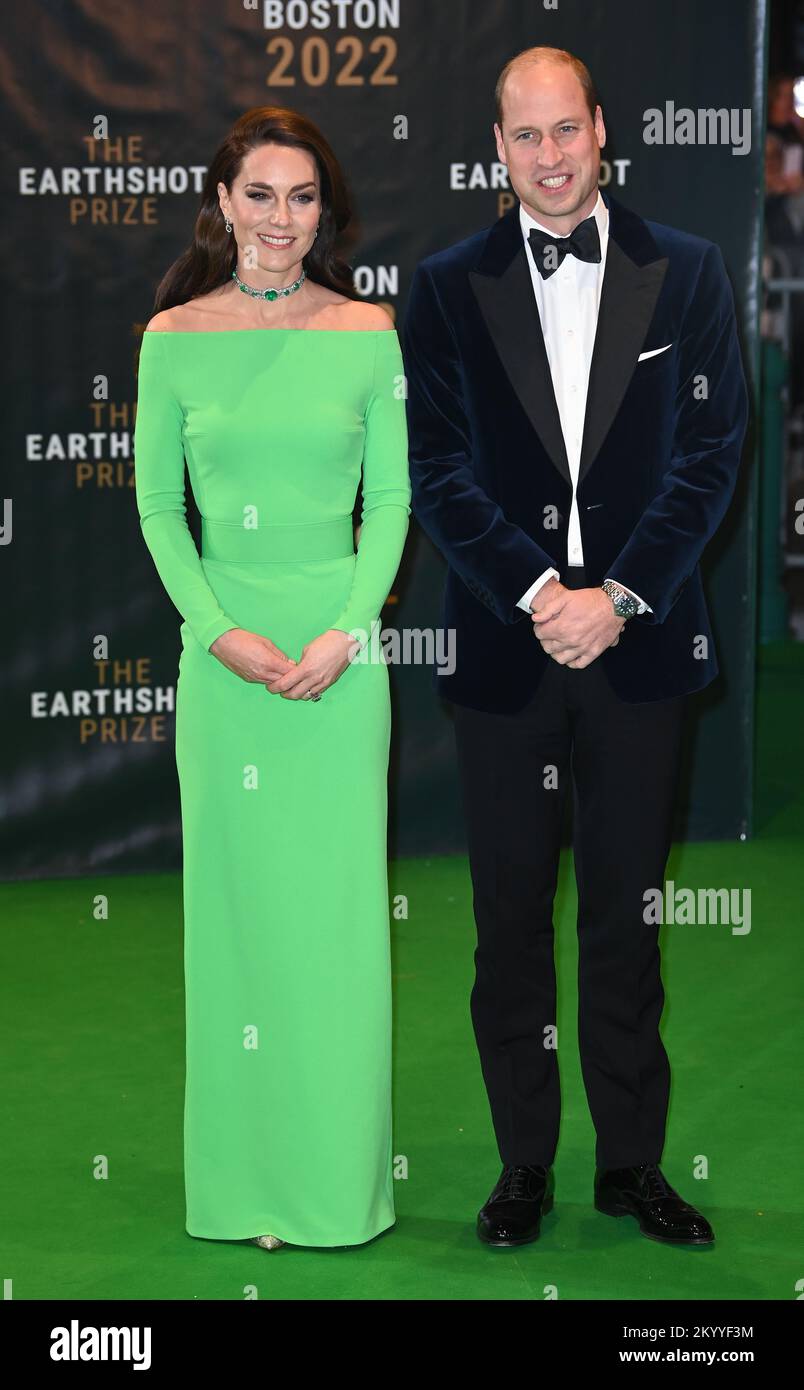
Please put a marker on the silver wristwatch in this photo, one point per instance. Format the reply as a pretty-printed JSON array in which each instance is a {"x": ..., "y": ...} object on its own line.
[{"x": 625, "y": 605}]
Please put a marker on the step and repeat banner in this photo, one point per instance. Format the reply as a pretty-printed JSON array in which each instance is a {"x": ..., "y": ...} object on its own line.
[{"x": 112, "y": 111}]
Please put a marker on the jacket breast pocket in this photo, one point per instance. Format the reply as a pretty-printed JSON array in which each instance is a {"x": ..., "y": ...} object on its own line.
[{"x": 654, "y": 359}]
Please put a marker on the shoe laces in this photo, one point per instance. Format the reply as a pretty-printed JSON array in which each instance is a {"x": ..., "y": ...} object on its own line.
[
  {"x": 515, "y": 1182},
  {"x": 654, "y": 1182}
]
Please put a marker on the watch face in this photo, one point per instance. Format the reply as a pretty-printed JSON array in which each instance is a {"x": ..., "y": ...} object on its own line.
[{"x": 625, "y": 606}]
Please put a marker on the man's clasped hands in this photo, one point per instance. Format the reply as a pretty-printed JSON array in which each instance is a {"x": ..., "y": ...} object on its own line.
[{"x": 574, "y": 625}]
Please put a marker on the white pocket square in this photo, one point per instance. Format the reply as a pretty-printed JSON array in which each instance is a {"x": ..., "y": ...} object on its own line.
[{"x": 653, "y": 352}]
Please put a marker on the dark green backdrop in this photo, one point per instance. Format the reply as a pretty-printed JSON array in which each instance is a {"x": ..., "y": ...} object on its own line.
[{"x": 89, "y": 227}]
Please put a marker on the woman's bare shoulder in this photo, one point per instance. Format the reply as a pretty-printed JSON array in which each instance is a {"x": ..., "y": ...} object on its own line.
[
  {"x": 163, "y": 322},
  {"x": 175, "y": 320},
  {"x": 359, "y": 316},
  {"x": 181, "y": 318}
]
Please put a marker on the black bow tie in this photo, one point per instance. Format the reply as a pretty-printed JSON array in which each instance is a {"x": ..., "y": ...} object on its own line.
[{"x": 549, "y": 251}]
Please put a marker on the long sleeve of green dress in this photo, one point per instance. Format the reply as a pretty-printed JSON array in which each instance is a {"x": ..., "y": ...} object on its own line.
[
  {"x": 386, "y": 490},
  {"x": 159, "y": 483}
]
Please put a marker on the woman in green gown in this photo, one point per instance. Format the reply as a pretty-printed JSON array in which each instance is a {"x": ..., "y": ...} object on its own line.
[{"x": 281, "y": 405}]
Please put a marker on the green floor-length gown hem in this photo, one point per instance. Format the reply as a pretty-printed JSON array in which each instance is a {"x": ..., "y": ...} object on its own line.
[
  {"x": 271, "y": 1226},
  {"x": 287, "y": 1111}
]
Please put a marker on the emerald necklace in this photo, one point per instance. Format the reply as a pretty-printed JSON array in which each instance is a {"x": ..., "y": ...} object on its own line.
[{"x": 268, "y": 294}]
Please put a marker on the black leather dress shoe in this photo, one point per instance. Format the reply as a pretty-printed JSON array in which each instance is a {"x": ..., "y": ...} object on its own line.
[
  {"x": 644, "y": 1192},
  {"x": 513, "y": 1213}
]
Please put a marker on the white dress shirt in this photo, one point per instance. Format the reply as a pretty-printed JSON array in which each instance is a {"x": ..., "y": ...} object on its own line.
[{"x": 568, "y": 302}]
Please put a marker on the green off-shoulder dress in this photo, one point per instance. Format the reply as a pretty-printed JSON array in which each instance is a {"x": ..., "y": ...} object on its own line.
[{"x": 287, "y": 1116}]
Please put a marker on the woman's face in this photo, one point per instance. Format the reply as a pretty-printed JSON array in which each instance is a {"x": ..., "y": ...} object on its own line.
[{"x": 274, "y": 207}]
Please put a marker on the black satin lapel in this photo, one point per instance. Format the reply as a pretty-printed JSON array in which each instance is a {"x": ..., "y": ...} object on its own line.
[
  {"x": 627, "y": 302},
  {"x": 509, "y": 308}
]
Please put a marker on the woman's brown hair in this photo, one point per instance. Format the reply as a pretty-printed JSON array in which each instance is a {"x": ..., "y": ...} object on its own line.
[{"x": 209, "y": 261}]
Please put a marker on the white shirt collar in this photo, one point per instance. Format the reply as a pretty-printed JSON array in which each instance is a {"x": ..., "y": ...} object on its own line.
[{"x": 600, "y": 213}]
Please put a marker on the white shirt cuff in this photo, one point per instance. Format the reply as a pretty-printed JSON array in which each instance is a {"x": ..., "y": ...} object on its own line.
[{"x": 524, "y": 601}]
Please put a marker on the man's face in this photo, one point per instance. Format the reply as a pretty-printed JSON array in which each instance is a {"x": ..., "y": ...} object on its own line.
[{"x": 551, "y": 144}]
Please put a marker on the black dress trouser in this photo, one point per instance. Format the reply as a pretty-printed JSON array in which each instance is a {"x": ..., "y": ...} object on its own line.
[{"x": 515, "y": 770}]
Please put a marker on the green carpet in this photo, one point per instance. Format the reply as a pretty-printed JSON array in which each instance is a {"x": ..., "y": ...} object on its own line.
[{"x": 92, "y": 1040}]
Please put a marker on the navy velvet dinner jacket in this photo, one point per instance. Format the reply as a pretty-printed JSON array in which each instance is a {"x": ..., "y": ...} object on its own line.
[{"x": 659, "y": 458}]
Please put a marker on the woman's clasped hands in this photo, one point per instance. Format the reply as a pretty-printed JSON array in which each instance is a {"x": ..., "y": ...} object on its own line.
[{"x": 257, "y": 659}]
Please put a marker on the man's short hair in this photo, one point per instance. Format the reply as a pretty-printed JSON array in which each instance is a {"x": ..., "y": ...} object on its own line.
[{"x": 553, "y": 55}]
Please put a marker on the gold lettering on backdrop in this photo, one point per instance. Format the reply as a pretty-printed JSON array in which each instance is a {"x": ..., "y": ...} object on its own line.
[
  {"x": 128, "y": 683},
  {"x": 125, "y": 730},
  {"x": 114, "y": 211},
  {"x": 119, "y": 670},
  {"x": 107, "y": 459},
  {"x": 316, "y": 65},
  {"x": 126, "y": 149},
  {"x": 105, "y": 475}
]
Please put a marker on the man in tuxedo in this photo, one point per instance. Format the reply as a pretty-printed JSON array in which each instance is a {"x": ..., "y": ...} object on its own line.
[{"x": 576, "y": 410}]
